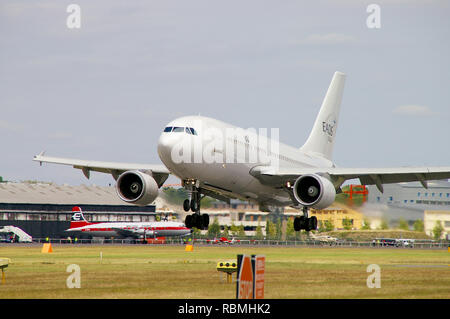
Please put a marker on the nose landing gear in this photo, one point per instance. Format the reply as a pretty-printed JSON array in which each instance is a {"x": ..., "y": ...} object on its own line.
[{"x": 197, "y": 220}]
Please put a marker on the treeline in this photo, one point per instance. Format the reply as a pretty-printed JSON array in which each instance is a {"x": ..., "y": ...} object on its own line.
[
  {"x": 274, "y": 229},
  {"x": 176, "y": 196}
]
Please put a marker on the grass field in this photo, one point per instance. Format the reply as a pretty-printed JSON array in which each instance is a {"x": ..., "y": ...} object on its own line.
[{"x": 167, "y": 272}]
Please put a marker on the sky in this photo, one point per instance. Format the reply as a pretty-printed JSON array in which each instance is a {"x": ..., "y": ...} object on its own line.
[{"x": 106, "y": 90}]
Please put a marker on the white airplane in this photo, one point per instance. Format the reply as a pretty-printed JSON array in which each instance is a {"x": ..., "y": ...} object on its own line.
[
  {"x": 191, "y": 148},
  {"x": 140, "y": 230}
]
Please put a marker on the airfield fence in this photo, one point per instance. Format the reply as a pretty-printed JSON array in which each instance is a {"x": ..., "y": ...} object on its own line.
[{"x": 242, "y": 242}]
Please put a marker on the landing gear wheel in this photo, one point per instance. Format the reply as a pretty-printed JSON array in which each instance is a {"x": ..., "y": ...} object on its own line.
[
  {"x": 205, "y": 221},
  {"x": 186, "y": 205},
  {"x": 194, "y": 205},
  {"x": 188, "y": 221},
  {"x": 197, "y": 221},
  {"x": 194, "y": 221},
  {"x": 300, "y": 223},
  {"x": 306, "y": 226},
  {"x": 312, "y": 223},
  {"x": 303, "y": 222},
  {"x": 297, "y": 224}
]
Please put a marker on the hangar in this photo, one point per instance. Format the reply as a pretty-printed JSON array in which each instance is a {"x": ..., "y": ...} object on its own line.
[
  {"x": 44, "y": 209},
  {"x": 413, "y": 196}
]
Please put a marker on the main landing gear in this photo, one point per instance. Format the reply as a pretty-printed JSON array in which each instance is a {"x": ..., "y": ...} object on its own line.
[
  {"x": 303, "y": 222},
  {"x": 197, "y": 220}
]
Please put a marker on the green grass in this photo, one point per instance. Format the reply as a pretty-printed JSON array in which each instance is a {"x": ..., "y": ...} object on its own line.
[{"x": 170, "y": 272}]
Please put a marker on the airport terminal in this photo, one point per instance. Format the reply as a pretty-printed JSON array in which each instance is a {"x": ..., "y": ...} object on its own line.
[
  {"x": 411, "y": 201},
  {"x": 44, "y": 210}
]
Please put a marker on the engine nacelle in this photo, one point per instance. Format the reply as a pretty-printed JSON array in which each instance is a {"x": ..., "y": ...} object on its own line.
[
  {"x": 314, "y": 191},
  {"x": 137, "y": 188}
]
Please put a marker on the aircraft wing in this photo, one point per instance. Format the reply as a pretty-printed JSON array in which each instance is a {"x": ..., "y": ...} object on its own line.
[
  {"x": 367, "y": 176},
  {"x": 159, "y": 172},
  {"x": 130, "y": 233}
]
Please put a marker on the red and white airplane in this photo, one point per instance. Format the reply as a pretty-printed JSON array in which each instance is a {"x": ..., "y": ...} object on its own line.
[{"x": 79, "y": 224}]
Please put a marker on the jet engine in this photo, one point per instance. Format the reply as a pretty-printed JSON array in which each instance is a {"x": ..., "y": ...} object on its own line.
[
  {"x": 137, "y": 188},
  {"x": 314, "y": 191}
]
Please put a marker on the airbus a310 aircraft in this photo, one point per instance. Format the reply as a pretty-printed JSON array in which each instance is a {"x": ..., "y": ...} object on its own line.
[{"x": 216, "y": 159}]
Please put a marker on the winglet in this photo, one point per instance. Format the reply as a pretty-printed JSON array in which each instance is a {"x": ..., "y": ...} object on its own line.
[{"x": 36, "y": 157}]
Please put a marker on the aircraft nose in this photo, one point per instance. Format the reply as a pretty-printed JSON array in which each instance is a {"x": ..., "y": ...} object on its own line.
[
  {"x": 164, "y": 140},
  {"x": 166, "y": 143},
  {"x": 164, "y": 147}
]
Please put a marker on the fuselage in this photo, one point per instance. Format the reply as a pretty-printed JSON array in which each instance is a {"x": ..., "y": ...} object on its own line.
[
  {"x": 133, "y": 229},
  {"x": 221, "y": 156}
]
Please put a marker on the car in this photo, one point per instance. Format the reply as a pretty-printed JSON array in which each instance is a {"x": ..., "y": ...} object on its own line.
[{"x": 405, "y": 243}]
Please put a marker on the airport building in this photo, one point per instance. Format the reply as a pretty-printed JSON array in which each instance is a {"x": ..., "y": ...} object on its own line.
[
  {"x": 413, "y": 195},
  {"x": 248, "y": 215},
  {"x": 432, "y": 217},
  {"x": 238, "y": 214},
  {"x": 44, "y": 210},
  {"x": 410, "y": 200}
]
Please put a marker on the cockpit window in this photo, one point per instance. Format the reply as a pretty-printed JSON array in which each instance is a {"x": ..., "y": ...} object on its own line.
[
  {"x": 178, "y": 129},
  {"x": 193, "y": 131},
  {"x": 188, "y": 130}
]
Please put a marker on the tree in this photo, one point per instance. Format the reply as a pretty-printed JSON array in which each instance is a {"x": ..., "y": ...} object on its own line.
[
  {"x": 271, "y": 230},
  {"x": 196, "y": 232},
  {"x": 259, "y": 234},
  {"x": 178, "y": 195},
  {"x": 418, "y": 225},
  {"x": 328, "y": 225},
  {"x": 278, "y": 229},
  {"x": 347, "y": 223},
  {"x": 366, "y": 224},
  {"x": 225, "y": 232},
  {"x": 214, "y": 229},
  {"x": 234, "y": 230},
  {"x": 403, "y": 224},
  {"x": 207, "y": 201},
  {"x": 175, "y": 195},
  {"x": 290, "y": 231},
  {"x": 321, "y": 227},
  {"x": 241, "y": 231},
  {"x": 438, "y": 230},
  {"x": 384, "y": 225}
]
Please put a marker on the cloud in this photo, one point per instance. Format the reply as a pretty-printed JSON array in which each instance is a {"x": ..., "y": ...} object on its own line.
[
  {"x": 61, "y": 136},
  {"x": 413, "y": 110},
  {"x": 11, "y": 127},
  {"x": 329, "y": 39}
]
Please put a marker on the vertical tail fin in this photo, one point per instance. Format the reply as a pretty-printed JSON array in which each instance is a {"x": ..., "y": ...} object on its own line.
[
  {"x": 77, "y": 219},
  {"x": 321, "y": 139}
]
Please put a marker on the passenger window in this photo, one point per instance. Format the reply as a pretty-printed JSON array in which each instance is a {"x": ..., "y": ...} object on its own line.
[
  {"x": 168, "y": 129},
  {"x": 188, "y": 130},
  {"x": 178, "y": 129}
]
